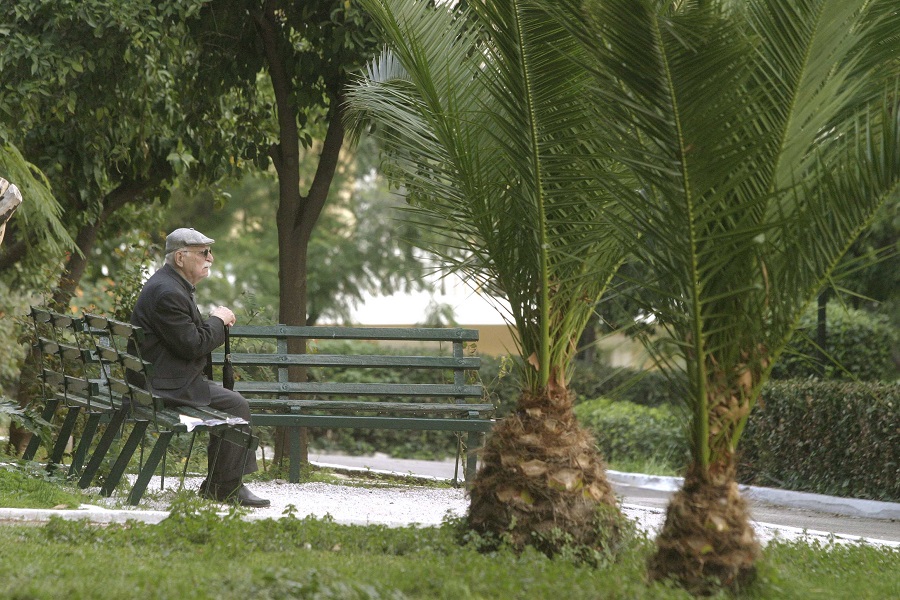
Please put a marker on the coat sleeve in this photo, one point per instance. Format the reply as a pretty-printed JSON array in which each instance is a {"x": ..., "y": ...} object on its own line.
[{"x": 184, "y": 335}]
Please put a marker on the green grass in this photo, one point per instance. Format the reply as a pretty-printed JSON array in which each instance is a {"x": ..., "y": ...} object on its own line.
[
  {"x": 33, "y": 487},
  {"x": 198, "y": 554}
]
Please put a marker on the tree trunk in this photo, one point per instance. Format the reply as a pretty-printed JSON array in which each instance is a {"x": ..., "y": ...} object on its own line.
[
  {"x": 541, "y": 476},
  {"x": 297, "y": 215},
  {"x": 707, "y": 542}
]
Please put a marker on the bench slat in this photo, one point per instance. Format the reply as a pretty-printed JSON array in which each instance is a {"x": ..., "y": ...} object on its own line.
[
  {"x": 356, "y": 422},
  {"x": 360, "y": 389},
  {"x": 346, "y": 360},
  {"x": 423, "y": 334},
  {"x": 350, "y": 405}
]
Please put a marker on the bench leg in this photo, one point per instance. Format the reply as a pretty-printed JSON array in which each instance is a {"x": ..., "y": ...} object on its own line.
[
  {"x": 103, "y": 446},
  {"x": 62, "y": 440},
  {"x": 472, "y": 455},
  {"x": 293, "y": 435},
  {"x": 87, "y": 437},
  {"x": 118, "y": 468},
  {"x": 35, "y": 442},
  {"x": 155, "y": 457}
]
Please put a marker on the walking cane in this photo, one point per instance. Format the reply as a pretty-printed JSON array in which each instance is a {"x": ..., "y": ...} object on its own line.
[{"x": 227, "y": 367}]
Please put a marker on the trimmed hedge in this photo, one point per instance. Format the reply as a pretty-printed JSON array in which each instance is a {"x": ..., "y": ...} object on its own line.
[
  {"x": 835, "y": 438},
  {"x": 863, "y": 344},
  {"x": 647, "y": 388},
  {"x": 626, "y": 431}
]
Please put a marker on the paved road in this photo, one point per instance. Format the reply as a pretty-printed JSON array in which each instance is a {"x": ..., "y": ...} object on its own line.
[{"x": 871, "y": 520}]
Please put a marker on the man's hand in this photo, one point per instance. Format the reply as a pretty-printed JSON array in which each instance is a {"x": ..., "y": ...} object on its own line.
[{"x": 225, "y": 314}]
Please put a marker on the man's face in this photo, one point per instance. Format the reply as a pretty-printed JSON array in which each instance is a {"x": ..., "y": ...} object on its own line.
[{"x": 194, "y": 262}]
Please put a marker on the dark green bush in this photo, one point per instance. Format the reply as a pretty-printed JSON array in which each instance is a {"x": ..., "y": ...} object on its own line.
[
  {"x": 501, "y": 378},
  {"x": 836, "y": 438},
  {"x": 630, "y": 432},
  {"x": 861, "y": 345},
  {"x": 647, "y": 388},
  {"x": 590, "y": 380}
]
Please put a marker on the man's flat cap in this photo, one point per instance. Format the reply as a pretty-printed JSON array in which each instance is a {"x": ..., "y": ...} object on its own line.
[{"x": 186, "y": 236}]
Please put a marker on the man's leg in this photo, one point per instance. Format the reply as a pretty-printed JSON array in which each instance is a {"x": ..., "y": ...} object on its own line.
[{"x": 232, "y": 461}]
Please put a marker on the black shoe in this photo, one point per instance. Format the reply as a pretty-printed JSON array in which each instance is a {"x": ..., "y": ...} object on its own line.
[
  {"x": 220, "y": 492},
  {"x": 234, "y": 492},
  {"x": 245, "y": 497}
]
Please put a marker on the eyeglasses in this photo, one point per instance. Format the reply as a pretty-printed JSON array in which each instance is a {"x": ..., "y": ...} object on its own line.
[{"x": 205, "y": 252}]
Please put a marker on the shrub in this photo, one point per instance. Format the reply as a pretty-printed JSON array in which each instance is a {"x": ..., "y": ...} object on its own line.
[
  {"x": 644, "y": 387},
  {"x": 837, "y": 438},
  {"x": 862, "y": 345},
  {"x": 626, "y": 431}
]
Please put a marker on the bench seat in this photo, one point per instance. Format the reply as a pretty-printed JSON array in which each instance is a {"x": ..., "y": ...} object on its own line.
[{"x": 397, "y": 404}]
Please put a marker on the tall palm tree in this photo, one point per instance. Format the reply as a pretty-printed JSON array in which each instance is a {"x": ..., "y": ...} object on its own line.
[
  {"x": 763, "y": 135},
  {"x": 494, "y": 143}
]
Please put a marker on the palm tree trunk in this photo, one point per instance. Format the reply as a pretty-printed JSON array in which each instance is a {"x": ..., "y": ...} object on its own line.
[
  {"x": 541, "y": 477},
  {"x": 707, "y": 541}
]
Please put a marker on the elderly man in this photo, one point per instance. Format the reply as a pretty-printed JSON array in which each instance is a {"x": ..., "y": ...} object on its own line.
[{"x": 178, "y": 342}]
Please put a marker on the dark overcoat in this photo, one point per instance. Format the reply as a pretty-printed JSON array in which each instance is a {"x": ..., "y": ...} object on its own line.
[{"x": 176, "y": 338}]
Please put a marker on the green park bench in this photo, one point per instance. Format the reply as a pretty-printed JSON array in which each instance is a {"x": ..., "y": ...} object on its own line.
[
  {"x": 263, "y": 365},
  {"x": 85, "y": 365}
]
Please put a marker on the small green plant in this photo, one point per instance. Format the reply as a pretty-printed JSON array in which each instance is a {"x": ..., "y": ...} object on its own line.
[{"x": 29, "y": 485}]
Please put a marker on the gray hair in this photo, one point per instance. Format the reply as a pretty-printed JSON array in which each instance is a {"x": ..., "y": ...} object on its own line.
[{"x": 170, "y": 257}]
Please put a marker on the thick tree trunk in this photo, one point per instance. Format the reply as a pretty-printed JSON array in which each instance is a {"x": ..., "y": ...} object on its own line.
[
  {"x": 707, "y": 542},
  {"x": 297, "y": 215},
  {"x": 541, "y": 476}
]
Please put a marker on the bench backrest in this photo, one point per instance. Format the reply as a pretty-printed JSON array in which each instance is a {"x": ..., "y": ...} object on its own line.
[
  {"x": 117, "y": 346},
  {"x": 65, "y": 357},
  {"x": 266, "y": 348}
]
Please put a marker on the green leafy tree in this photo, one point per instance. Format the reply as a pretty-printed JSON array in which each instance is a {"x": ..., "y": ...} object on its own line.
[
  {"x": 358, "y": 246},
  {"x": 763, "y": 137},
  {"x": 306, "y": 51},
  {"x": 493, "y": 140},
  {"x": 92, "y": 108},
  {"x": 92, "y": 99},
  {"x": 301, "y": 54}
]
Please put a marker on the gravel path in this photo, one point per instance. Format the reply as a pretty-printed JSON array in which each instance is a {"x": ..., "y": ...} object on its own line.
[{"x": 367, "y": 502}]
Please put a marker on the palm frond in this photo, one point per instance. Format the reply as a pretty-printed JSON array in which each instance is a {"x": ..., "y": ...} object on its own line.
[
  {"x": 487, "y": 128},
  {"x": 759, "y": 154}
]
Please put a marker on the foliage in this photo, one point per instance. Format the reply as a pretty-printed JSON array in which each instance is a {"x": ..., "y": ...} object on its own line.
[
  {"x": 869, "y": 276},
  {"x": 644, "y": 387},
  {"x": 97, "y": 118},
  {"x": 858, "y": 345},
  {"x": 26, "y": 487},
  {"x": 729, "y": 289},
  {"x": 628, "y": 432},
  {"x": 233, "y": 558},
  {"x": 836, "y": 438},
  {"x": 306, "y": 51},
  {"x": 497, "y": 152},
  {"x": 762, "y": 139},
  {"x": 357, "y": 248},
  {"x": 116, "y": 274}
]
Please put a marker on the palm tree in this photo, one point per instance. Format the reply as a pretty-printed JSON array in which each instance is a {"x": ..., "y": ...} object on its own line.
[
  {"x": 491, "y": 136},
  {"x": 762, "y": 136}
]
